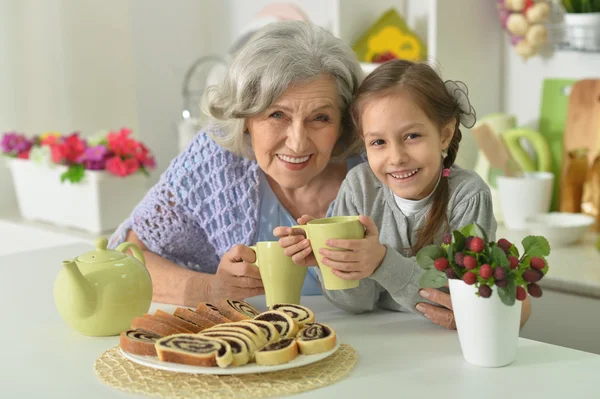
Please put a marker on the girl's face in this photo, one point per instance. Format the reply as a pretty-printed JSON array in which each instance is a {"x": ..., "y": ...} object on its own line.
[
  {"x": 293, "y": 138},
  {"x": 404, "y": 146}
]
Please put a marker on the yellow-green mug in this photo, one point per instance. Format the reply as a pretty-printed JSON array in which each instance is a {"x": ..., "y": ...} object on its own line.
[
  {"x": 318, "y": 231},
  {"x": 281, "y": 277}
]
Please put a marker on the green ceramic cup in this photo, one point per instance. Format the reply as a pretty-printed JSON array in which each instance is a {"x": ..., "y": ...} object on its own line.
[
  {"x": 318, "y": 231},
  {"x": 281, "y": 277}
]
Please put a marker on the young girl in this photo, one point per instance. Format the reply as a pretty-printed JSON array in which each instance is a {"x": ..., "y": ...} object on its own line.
[{"x": 410, "y": 189}]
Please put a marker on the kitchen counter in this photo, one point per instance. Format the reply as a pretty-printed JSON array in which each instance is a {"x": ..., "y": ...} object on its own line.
[{"x": 400, "y": 354}]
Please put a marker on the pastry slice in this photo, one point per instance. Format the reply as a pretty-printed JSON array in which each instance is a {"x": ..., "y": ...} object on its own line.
[
  {"x": 271, "y": 333},
  {"x": 258, "y": 335},
  {"x": 178, "y": 321},
  {"x": 210, "y": 311},
  {"x": 236, "y": 310},
  {"x": 154, "y": 325},
  {"x": 139, "y": 342},
  {"x": 300, "y": 314},
  {"x": 194, "y": 317},
  {"x": 225, "y": 328},
  {"x": 285, "y": 325},
  {"x": 316, "y": 338},
  {"x": 241, "y": 346},
  {"x": 279, "y": 352},
  {"x": 194, "y": 350}
]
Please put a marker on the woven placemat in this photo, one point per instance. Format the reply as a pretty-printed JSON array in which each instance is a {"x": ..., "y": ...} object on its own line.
[{"x": 118, "y": 372}]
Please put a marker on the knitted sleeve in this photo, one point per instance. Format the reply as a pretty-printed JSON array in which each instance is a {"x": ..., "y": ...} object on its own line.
[{"x": 205, "y": 202}]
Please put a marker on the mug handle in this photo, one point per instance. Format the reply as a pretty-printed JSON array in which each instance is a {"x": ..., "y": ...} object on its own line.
[
  {"x": 302, "y": 227},
  {"x": 253, "y": 247}
]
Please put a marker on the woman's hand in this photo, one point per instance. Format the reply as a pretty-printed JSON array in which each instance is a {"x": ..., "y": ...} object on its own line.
[
  {"x": 363, "y": 256},
  {"x": 236, "y": 278},
  {"x": 443, "y": 316},
  {"x": 295, "y": 244}
]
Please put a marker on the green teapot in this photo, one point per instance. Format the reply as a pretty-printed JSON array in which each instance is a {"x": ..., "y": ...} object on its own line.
[{"x": 101, "y": 292}]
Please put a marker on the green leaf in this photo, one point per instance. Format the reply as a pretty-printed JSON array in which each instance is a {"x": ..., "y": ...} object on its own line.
[
  {"x": 535, "y": 246},
  {"x": 508, "y": 294},
  {"x": 433, "y": 279},
  {"x": 513, "y": 250},
  {"x": 459, "y": 241},
  {"x": 499, "y": 258},
  {"x": 74, "y": 174},
  {"x": 428, "y": 254},
  {"x": 475, "y": 230}
]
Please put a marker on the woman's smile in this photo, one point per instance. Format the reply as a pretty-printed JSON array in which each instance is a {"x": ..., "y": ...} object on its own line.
[{"x": 294, "y": 162}]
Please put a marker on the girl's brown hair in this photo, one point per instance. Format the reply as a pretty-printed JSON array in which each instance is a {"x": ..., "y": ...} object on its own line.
[{"x": 428, "y": 91}]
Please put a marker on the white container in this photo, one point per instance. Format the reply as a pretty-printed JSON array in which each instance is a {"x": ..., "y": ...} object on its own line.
[
  {"x": 560, "y": 228},
  {"x": 522, "y": 197},
  {"x": 583, "y": 31},
  {"x": 97, "y": 204},
  {"x": 488, "y": 330}
]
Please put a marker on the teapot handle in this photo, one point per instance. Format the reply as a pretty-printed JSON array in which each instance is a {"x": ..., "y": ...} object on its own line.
[{"x": 137, "y": 252}]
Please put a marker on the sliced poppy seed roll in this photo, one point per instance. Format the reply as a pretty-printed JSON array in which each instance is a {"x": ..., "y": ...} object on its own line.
[
  {"x": 279, "y": 352},
  {"x": 236, "y": 310},
  {"x": 194, "y": 350},
  {"x": 267, "y": 328},
  {"x": 139, "y": 342},
  {"x": 316, "y": 338},
  {"x": 285, "y": 325},
  {"x": 300, "y": 314}
]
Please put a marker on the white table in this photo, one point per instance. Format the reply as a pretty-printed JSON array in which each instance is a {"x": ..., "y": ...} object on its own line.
[{"x": 400, "y": 355}]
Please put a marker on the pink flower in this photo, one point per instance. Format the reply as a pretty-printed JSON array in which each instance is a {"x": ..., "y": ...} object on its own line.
[
  {"x": 14, "y": 143},
  {"x": 120, "y": 167}
]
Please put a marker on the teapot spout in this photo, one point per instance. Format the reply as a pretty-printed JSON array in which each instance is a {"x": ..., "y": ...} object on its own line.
[{"x": 82, "y": 295}]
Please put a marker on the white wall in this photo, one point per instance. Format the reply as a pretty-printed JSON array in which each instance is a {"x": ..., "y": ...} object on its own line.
[
  {"x": 523, "y": 79},
  {"x": 8, "y": 88}
]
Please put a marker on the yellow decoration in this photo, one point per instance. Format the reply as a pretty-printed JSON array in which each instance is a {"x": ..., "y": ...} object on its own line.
[{"x": 391, "y": 35}]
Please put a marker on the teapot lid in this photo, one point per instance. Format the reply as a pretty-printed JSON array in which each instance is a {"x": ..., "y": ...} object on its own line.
[{"x": 101, "y": 254}]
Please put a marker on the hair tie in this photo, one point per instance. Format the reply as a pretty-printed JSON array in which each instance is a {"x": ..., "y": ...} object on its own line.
[
  {"x": 459, "y": 91},
  {"x": 445, "y": 172}
]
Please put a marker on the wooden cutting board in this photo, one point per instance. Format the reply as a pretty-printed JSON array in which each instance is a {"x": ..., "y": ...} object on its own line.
[{"x": 582, "y": 129}]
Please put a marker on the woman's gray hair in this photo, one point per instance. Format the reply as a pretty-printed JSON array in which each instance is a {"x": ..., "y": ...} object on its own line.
[{"x": 276, "y": 56}]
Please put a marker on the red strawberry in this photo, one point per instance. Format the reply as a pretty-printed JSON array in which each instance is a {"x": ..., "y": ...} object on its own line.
[
  {"x": 534, "y": 290},
  {"x": 504, "y": 244},
  {"x": 469, "y": 278},
  {"x": 470, "y": 262},
  {"x": 485, "y": 271},
  {"x": 450, "y": 273},
  {"x": 476, "y": 244},
  {"x": 521, "y": 294},
  {"x": 441, "y": 264},
  {"x": 514, "y": 261},
  {"x": 459, "y": 258},
  {"x": 485, "y": 291},
  {"x": 532, "y": 275},
  {"x": 537, "y": 263},
  {"x": 499, "y": 273}
]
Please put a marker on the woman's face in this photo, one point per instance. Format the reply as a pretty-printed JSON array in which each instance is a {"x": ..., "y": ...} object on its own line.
[
  {"x": 294, "y": 137},
  {"x": 404, "y": 146}
]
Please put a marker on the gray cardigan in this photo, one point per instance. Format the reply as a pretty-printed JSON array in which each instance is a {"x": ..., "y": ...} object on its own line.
[{"x": 394, "y": 285}]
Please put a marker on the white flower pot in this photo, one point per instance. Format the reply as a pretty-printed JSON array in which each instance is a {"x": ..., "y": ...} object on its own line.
[
  {"x": 583, "y": 31},
  {"x": 488, "y": 330},
  {"x": 97, "y": 204}
]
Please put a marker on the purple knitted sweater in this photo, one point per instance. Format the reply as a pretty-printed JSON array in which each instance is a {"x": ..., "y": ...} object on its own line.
[{"x": 205, "y": 202}]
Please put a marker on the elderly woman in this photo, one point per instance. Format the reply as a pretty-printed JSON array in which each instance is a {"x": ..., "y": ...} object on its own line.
[{"x": 278, "y": 146}]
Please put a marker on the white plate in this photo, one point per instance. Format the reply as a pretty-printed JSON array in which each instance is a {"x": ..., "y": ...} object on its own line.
[{"x": 250, "y": 368}]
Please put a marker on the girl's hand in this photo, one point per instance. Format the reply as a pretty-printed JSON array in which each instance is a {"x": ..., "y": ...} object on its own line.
[
  {"x": 363, "y": 257},
  {"x": 295, "y": 244}
]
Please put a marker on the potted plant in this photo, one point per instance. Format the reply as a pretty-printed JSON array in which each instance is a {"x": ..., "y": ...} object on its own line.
[
  {"x": 582, "y": 24},
  {"x": 90, "y": 184},
  {"x": 487, "y": 282}
]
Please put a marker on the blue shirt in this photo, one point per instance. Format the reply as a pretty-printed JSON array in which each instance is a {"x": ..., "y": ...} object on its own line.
[{"x": 273, "y": 214}]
